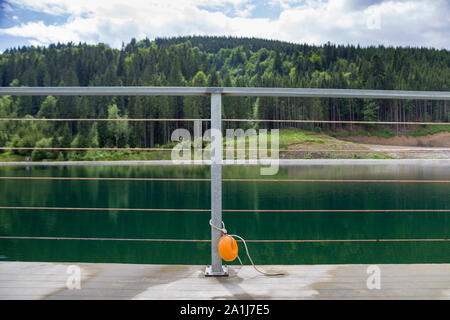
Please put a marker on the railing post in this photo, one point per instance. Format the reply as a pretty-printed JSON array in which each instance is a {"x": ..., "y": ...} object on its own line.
[{"x": 216, "y": 268}]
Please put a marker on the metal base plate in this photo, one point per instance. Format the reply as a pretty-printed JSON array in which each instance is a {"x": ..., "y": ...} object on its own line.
[{"x": 210, "y": 273}]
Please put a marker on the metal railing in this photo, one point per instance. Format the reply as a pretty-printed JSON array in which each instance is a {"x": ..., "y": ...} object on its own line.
[
  {"x": 225, "y": 91},
  {"x": 216, "y": 93}
]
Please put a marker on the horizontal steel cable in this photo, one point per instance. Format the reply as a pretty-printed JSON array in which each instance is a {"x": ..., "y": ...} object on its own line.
[
  {"x": 87, "y": 149},
  {"x": 102, "y": 119},
  {"x": 105, "y": 209},
  {"x": 233, "y": 120},
  {"x": 201, "y": 240},
  {"x": 336, "y": 210},
  {"x": 225, "y": 179},
  {"x": 363, "y": 151},
  {"x": 338, "y": 121},
  {"x": 224, "y": 210},
  {"x": 225, "y": 149},
  {"x": 104, "y": 179}
]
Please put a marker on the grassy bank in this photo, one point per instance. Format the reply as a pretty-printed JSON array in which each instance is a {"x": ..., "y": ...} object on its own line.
[
  {"x": 426, "y": 130},
  {"x": 289, "y": 139},
  {"x": 386, "y": 133}
]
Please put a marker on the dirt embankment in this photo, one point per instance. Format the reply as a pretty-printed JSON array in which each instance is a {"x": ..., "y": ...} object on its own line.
[{"x": 441, "y": 139}]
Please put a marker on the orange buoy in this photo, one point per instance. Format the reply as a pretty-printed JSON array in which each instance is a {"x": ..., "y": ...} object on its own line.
[{"x": 228, "y": 248}]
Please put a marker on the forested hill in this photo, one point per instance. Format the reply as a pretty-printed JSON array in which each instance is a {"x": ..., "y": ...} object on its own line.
[{"x": 211, "y": 61}]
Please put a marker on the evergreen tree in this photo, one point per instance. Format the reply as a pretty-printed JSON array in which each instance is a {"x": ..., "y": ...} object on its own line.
[{"x": 211, "y": 62}]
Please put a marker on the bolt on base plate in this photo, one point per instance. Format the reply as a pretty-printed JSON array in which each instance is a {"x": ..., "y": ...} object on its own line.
[{"x": 210, "y": 273}]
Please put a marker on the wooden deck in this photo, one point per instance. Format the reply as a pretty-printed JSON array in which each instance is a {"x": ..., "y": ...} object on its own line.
[{"x": 39, "y": 280}]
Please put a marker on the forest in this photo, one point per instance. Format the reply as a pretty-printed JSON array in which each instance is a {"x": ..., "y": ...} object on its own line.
[{"x": 206, "y": 61}]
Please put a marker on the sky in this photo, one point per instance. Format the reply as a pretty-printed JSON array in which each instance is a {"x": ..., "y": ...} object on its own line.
[{"x": 416, "y": 23}]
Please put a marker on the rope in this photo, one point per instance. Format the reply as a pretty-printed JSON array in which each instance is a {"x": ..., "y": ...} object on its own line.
[
  {"x": 250, "y": 258},
  {"x": 227, "y": 210},
  {"x": 224, "y": 232},
  {"x": 227, "y": 180},
  {"x": 207, "y": 240}
]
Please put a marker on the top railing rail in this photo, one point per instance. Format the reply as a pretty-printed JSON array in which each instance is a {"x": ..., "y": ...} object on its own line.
[{"x": 225, "y": 91}]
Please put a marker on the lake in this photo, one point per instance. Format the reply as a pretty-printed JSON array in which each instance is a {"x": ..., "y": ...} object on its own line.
[{"x": 236, "y": 195}]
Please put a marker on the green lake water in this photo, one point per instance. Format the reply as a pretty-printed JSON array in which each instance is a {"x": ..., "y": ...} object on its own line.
[{"x": 236, "y": 195}]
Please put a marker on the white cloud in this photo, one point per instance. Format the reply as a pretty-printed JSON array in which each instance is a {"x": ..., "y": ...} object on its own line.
[
  {"x": 414, "y": 23},
  {"x": 243, "y": 13}
]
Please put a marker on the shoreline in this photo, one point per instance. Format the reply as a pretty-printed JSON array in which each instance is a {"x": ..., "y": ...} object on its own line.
[{"x": 281, "y": 162}]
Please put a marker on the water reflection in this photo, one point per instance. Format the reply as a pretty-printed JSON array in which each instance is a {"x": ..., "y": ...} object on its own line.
[{"x": 237, "y": 195}]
